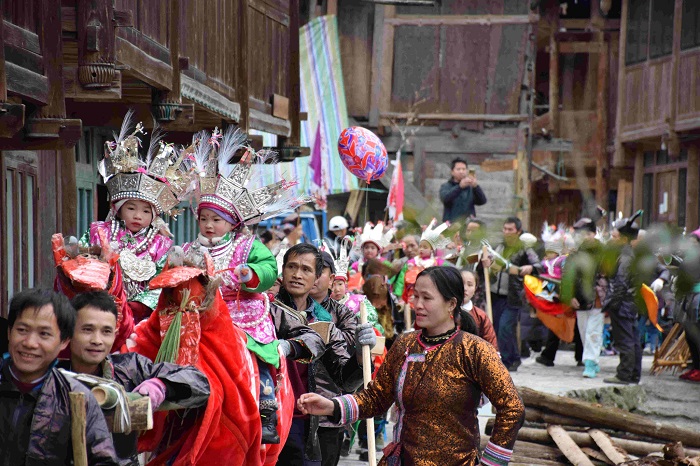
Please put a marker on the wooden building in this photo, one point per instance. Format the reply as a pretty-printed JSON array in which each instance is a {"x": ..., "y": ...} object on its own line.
[
  {"x": 451, "y": 79},
  {"x": 576, "y": 88},
  {"x": 658, "y": 116},
  {"x": 69, "y": 71},
  {"x": 524, "y": 90}
]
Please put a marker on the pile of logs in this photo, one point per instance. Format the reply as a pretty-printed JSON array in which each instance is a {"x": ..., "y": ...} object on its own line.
[{"x": 563, "y": 431}]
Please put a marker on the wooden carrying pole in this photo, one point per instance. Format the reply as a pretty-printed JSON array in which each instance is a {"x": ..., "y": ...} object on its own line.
[
  {"x": 408, "y": 325},
  {"x": 367, "y": 376},
  {"x": 487, "y": 284},
  {"x": 77, "y": 428}
]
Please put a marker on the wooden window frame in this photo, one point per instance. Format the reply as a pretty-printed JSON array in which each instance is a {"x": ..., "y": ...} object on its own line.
[
  {"x": 22, "y": 165},
  {"x": 647, "y": 54},
  {"x": 654, "y": 170}
]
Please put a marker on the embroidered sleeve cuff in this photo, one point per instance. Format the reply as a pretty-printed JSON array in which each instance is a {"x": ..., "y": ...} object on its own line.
[
  {"x": 349, "y": 411},
  {"x": 495, "y": 455}
]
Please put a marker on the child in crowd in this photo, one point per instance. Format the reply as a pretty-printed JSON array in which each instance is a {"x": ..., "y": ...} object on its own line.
[
  {"x": 372, "y": 241},
  {"x": 483, "y": 323},
  {"x": 246, "y": 266},
  {"x": 429, "y": 254}
]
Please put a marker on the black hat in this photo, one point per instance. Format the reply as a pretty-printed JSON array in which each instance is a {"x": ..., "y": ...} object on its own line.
[
  {"x": 585, "y": 223},
  {"x": 627, "y": 226},
  {"x": 328, "y": 261}
]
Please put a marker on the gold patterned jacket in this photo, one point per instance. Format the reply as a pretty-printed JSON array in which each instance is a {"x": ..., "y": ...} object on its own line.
[{"x": 437, "y": 391}]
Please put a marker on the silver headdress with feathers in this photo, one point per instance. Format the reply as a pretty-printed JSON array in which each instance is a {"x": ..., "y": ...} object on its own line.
[
  {"x": 162, "y": 179},
  {"x": 226, "y": 185}
]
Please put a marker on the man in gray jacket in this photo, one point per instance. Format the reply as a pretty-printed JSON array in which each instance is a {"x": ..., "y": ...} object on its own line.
[{"x": 35, "y": 412}]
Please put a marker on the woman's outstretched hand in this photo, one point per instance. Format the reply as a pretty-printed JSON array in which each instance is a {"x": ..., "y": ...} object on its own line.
[{"x": 311, "y": 403}]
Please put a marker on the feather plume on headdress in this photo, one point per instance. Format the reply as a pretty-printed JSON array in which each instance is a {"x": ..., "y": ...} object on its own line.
[
  {"x": 375, "y": 234},
  {"x": 239, "y": 189},
  {"x": 433, "y": 235}
]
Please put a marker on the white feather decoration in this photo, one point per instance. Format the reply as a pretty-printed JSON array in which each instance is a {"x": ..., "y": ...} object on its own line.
[{"x": 233, "y": 140}]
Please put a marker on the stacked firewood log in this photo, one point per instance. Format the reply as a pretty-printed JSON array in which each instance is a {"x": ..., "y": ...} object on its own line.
[{"x": 563, "y": 431}]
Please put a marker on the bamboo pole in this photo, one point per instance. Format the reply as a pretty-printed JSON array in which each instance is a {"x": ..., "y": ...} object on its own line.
[
  {"x": 487, "y": 284},
  {"x": 408, "y": 325},
  {"x": 77, "y": 427},
  {"x": 367, "y": 376}
]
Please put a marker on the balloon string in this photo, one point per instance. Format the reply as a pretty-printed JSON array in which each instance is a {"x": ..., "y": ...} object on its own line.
[{"x": 367, "y": 203}]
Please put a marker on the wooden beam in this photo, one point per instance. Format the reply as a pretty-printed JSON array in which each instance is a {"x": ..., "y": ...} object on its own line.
[
  {"x": 332, "y": 7},
  {"x": 673, "y": 146},
  {"x": 52, "y": 52},
  {"x": 553, "y": 145},
  {"x": 580, "y": 47},
  {"x": 210, "y": 99},
  {"x": 21, "y": 38},
  {"x": 41, "y": 134},
  {"x": 377, "y": 64},
  {"x": 69, "y": 19},
  {"x": 490, "y": 141},
  {"x": 264, "y": 122},
  {"x": 143, "y": 66},
  {"x": 601, "y": 137},
  {"x": 167, "y": 105},
  {"x": 643, "y": 132},
  {"x": 387, "y": 66},
  {"x": 453, "y": 116},
  {"x": 693, "y": 189},
  {"x": 28, "y": 85},
  {"x": 619, "y": 155},
  {"x": 554, "y": 82},
  {"x": 65, "y": 132},
  {"x": 460, "y": 20},
  {"x": 280, "y": 106},
  {"x": 610, "y": 417},
  {"x": 241, "y": 71},
  {"x": 638, "y": 185},
  {"x": 585, "y": 24},
  {"x": 3, "y": 73},
  {"x": 492, "y": 165},
  {"x": 69, "y": 192},
  {"x": 294, "y": 102}
]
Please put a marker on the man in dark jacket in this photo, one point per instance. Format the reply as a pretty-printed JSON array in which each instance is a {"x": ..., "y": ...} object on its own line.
[
  {"x": 634, "y": 266},
  {"x": 507, "y": 289},
  {"x": 303, "y": 265},
  {"x": 35, "y": 413},
  {"x": 331, "y": 435},
  {"x": 461, "y": 193},
  {"x": 95, "y": 331}
]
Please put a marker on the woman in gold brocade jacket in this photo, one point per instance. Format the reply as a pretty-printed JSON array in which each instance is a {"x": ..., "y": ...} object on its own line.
[{"x": 436, "y": 377}]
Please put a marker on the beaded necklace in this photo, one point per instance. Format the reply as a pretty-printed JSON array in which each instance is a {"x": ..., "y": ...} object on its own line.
[
  {"x": 438, "y": 339},
  {"x": 142, "y": 245},
  {"x": 222, "y": 254}
]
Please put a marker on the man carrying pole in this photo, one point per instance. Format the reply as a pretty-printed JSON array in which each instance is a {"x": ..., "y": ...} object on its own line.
[
  {"x": 95, "y": 331},
  {"x": 35, "y": 411}
]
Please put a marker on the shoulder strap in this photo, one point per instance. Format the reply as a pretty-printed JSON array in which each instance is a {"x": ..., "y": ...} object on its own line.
[{"x": 296, "y": 314}]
